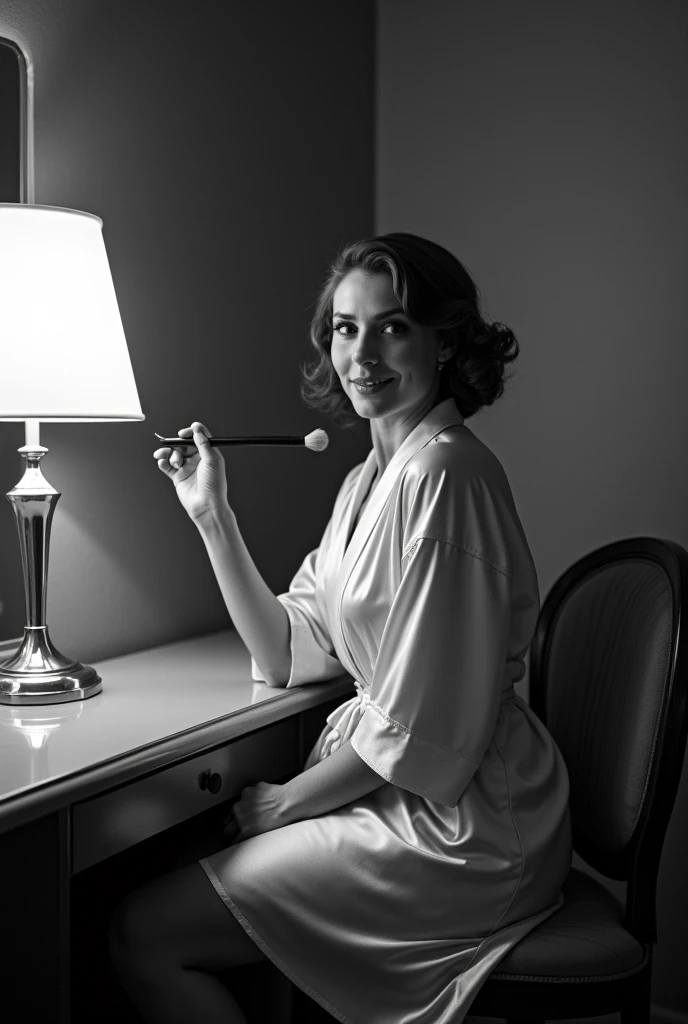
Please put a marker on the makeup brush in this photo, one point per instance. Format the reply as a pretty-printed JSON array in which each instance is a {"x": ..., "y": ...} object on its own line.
[{"x": 317, "y": 440}]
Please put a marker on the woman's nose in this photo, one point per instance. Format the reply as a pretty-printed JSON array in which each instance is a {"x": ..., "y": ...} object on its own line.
[{"x": 364, "y": 350}]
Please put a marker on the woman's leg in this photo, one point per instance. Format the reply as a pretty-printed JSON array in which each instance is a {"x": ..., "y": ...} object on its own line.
[{"x": 166, "y": 936}]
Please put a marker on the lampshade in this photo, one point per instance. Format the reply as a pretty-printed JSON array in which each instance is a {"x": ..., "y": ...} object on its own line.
[{"x": 63, "y": 354}]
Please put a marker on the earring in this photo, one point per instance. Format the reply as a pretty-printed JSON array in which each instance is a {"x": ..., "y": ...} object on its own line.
[{"x": 440, "y": 365}]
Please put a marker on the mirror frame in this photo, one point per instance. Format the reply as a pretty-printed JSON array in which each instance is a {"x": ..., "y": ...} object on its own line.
[{"x": 16, "y": 124}]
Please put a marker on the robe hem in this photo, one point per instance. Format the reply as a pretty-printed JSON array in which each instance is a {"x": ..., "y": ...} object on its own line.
[
  {"x": 380, "y": 771},
  {"x": 270, "y": 954},
  {"x": 416, "y": 735}
]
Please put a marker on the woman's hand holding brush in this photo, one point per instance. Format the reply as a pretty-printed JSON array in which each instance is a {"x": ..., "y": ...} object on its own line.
[{"x": 197, "y": 472}]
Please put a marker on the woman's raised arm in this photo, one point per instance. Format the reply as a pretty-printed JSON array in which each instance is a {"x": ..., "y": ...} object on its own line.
[{"x": 199, "y": 477}]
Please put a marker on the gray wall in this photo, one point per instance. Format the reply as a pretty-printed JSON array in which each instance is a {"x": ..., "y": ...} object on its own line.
[
  {"x": 204, "y": 136},
  {"x": 544, "y": 144}
]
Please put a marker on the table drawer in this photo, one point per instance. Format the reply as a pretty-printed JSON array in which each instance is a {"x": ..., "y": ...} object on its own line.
[{"x": 107, "y": 824}]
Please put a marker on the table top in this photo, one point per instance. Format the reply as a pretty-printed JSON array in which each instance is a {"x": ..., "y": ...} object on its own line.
[{"x": 156, "y": 705}]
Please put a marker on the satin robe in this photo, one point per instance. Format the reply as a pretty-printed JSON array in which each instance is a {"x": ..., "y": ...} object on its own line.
[{"x": 394, "y": 908}]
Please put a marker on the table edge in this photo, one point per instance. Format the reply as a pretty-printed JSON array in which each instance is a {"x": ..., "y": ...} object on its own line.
[{"x": 48, "y": 797}]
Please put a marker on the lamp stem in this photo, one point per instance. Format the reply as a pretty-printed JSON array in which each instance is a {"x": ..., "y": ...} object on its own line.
[
  {"x": 33, "y": 501},
  {"x": 32, "y": 434},
  {"x": 38, "y": 673}
]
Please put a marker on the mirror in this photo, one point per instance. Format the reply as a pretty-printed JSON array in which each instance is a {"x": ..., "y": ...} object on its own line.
[
  {"x": 14, "y": 188},
  {"x": 12, "y": 123}
]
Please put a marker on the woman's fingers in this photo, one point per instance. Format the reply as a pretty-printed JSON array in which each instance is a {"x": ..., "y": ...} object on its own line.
[
  {"x": 200, "y": 436},
  {"x": 168, "y": 458},
  {"x": 171, "y": 459},
  {"x": 162, "y": 456}
]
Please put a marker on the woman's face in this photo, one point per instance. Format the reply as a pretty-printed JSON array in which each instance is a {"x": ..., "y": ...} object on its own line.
[{"x": 373, "y": 338}]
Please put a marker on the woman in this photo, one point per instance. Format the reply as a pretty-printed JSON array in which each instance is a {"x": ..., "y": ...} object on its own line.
[{"x": 429, "y": 830}]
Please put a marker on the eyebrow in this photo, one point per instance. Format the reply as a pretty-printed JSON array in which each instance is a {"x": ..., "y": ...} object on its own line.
[{"x": 380, "y": 316}]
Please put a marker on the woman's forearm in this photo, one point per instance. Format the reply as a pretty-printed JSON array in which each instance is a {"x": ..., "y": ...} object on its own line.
[
  {"x": 336, "y": 780},
  {"x": 259, "y": 618}
]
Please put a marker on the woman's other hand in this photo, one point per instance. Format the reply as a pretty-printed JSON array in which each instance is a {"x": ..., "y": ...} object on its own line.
[
  {"x": 198, "y": 473},
  {"x": 259, "y": 809}
]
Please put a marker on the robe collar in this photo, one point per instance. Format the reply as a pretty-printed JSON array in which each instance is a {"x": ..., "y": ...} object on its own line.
[{"x": 444, "y": 414}]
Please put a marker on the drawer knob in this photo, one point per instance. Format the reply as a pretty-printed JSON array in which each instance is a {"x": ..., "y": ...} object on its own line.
[{"x": 210, "y": 780}]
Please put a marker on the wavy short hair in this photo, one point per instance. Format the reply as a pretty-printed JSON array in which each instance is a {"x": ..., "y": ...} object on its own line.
[{"x": 435, "y": 290}]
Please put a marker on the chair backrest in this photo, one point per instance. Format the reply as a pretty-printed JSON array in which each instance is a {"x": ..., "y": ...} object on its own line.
[{"x": 609, "y": 678}]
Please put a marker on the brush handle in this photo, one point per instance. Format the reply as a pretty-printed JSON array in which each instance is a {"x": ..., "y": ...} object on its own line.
[{"x": 216, "y": 442}]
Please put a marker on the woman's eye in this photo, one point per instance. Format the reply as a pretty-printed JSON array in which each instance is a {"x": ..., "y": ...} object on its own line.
[
  {"x": 399, "y": 327},
  {"x": 338, "y": 327}
]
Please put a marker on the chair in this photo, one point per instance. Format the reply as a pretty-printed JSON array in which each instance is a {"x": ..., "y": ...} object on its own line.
[{"x": 609, "y": 678}]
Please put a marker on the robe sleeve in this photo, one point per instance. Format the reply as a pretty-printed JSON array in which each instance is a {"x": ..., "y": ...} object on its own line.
[
  {"x": 313, "y": 658},
  {"x": 439, "y": 673}
]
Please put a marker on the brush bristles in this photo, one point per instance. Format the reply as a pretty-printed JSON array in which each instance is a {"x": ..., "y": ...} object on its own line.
[{"x": 317, "y": 440}]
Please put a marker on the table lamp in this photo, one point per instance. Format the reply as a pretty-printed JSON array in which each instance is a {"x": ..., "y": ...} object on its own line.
[{"x": 63, "y": 359}]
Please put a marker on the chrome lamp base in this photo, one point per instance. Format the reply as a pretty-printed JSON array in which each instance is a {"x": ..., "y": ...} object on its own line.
[{"x": 38, "y": 673}]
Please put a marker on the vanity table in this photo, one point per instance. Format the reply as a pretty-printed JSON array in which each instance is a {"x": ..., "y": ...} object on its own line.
[{"x": 99, "y": 795}]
